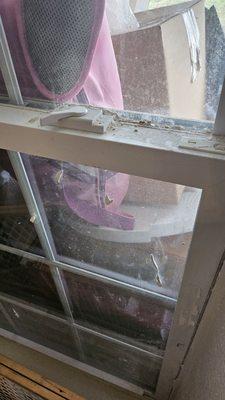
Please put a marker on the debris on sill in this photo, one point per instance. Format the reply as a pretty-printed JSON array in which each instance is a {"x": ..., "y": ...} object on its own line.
[
  {"x": 141, "y": 120},
  {"x": 145, "y": 120}
]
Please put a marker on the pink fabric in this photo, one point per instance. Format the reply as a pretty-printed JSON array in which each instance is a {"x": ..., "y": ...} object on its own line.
[
  {"x": 100, "y": 78},
  {"x": 99, "y": 12},
  {"x": 97, "y": 202},
  {"x": 102, "y": 85},
  {"x": 31, "y": 86}
]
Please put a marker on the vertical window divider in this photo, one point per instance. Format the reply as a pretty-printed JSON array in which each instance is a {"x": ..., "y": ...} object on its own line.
[{"x": 43, "y": 231}]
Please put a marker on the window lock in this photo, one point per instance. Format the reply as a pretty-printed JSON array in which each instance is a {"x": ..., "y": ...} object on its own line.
[{"x": 79, "y": 118}]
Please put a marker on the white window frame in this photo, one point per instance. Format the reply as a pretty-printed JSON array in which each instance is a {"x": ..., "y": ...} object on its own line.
[
  {"x": 155, "y": 153},
  {"x": 154, "y": 149}
]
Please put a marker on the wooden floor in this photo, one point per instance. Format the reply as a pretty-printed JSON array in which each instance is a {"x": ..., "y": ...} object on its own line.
[{"x": 19, "y": 383}]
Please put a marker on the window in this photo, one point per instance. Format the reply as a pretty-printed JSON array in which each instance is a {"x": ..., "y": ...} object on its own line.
[
  {"x": 112, "y": 225},
  {"x": 162, "y": 70}
]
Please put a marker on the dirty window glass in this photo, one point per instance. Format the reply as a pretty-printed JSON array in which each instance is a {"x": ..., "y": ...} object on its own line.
[
  {"x": 162, "y": 57},
  {"x": 29, "y": 281},
  {"x": 116, "y": 246},
  {"x": 130, "y": 228},
  {"x": 210, "y": 17},
  {"x": 122, "y": 243},
  {"x": 16, "y": 227}
]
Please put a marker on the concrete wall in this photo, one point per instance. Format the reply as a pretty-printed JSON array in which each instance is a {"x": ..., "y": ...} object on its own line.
[{"x": 203, "y": 376}]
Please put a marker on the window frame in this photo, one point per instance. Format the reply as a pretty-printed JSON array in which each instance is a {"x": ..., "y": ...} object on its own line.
[
  {"x": 155, "y": 153},
  {"x": 154, "y": 150}
]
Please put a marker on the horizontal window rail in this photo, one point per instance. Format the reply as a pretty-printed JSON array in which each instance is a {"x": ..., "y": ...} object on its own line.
[
  {"x": 152, "y": 352},
  {"x": 99, "y": 374},
  {"x": 157, "y": 152},
  {"x": 81, "y": 271}
]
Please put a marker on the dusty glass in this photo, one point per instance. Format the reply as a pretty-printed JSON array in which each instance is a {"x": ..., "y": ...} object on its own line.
[
  {"x": 166, "y": 59},
  {"x": 16, "y": 228}
]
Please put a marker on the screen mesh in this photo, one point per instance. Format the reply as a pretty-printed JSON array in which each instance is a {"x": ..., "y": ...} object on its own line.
[{"x": 58, "y": 35}]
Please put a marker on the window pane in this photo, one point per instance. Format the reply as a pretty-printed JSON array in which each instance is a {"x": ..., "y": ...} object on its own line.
[
  {"x": 130, "y": 365},
  {"x": 49, "y": 332},
  {"x": 4, "y": 319},
  {"x": 137, "y": 319},
  {"x": 167, "y": 59},
  {"x": 16, "y": 230},
  {"x": 133, "y": 229},
  {"x": 132, "y": 233},
  {"x": 112, "y": 358},
  {"x": 28, "y": 280},
  {"x": 215, "y": 52}
]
